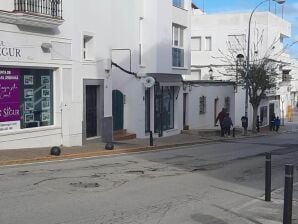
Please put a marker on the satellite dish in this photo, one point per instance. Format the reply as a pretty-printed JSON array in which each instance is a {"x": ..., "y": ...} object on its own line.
[{"x": 148, "y": 82}]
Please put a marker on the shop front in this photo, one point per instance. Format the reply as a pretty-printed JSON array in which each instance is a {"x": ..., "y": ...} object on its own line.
[
  {"x": 26, "y": 98},
  {"x": 166, "y": 104}
]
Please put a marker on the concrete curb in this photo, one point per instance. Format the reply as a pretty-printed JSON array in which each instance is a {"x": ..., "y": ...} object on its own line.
[{"x": 124, "y": 151}]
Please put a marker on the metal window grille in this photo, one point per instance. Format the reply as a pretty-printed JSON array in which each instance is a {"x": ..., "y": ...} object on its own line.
[
  {"x": 227, "y": 103},
  {"x": 202, "y": 104},
  {"x": 52, "y": 8}
]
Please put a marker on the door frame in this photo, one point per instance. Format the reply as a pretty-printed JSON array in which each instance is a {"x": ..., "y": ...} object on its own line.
[
  {"x": 100, "y": 106},
  {"x": 185, "y": 103},
  {"x": 216, "y": 109}
]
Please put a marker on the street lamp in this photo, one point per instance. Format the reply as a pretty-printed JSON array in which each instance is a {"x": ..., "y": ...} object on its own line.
[{"x": 248, "y": 54}]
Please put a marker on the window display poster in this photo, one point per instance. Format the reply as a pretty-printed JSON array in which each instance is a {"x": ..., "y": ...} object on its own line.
[{"x": 9, "y": 98}]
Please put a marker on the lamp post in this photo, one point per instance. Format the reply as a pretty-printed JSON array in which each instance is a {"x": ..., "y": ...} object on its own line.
[{"x": 248, "y": 55}]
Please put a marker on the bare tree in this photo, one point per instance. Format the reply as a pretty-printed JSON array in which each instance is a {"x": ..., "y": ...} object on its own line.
[{"x": 260, "y": 75}]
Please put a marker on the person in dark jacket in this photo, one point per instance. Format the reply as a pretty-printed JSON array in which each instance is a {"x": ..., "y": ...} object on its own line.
[
  {"x": 220, "y": 118},
  {"x": 272, "y": 122},
  {"x": 277, "y": 123},
  {"x": 227, "y": 124}
]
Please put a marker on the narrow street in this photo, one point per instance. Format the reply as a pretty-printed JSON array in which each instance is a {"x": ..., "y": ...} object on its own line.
[{"x": 219, "y": 183}]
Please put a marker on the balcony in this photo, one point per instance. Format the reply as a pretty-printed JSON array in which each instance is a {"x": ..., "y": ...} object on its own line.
[
  {"x": 51, "y": 8},
  {"x": 36, "y": 13}
]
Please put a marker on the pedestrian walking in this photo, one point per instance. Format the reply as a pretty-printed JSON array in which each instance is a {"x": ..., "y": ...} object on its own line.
[
  {"x": 272, "y": 122},
  {"x": 277, "y": 123},
  {"x": 220, "y": 118},
  {"x": 227, "y": 124}
]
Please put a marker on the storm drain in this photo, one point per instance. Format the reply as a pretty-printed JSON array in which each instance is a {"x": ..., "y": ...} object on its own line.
[{"x": 84, "y": 185}]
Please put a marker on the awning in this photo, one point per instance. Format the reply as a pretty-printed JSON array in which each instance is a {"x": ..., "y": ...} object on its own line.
[{"x": 167, "y": 79}]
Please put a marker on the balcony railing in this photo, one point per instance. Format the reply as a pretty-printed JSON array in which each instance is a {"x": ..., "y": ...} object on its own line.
[{"x": 51, "y": 8}]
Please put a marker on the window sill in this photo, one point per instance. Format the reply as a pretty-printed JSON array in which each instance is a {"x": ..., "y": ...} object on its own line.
[{"x": 180, "y": 68}]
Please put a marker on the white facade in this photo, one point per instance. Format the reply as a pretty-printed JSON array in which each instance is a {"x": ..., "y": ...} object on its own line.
[
  {"x": 76, "y": 50},
  {"x": 204, "y": 101},
  {"x": 143, "y": 44},
  {"x": 61, "y": 56},
  {"x": 215, "y": 35}
]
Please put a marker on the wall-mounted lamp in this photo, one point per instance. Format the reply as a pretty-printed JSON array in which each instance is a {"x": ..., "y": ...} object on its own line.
[
  {"x": 189, "y": 87},
  {"x": 211, "y": 73},
  {"x": 46, "y": 47}
]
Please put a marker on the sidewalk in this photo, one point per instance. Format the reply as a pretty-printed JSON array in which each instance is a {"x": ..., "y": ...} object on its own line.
[{"x": 23, "y": 156}]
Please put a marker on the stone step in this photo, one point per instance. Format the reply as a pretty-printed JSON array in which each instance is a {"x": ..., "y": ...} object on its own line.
[{"x": 121, "y": 135}]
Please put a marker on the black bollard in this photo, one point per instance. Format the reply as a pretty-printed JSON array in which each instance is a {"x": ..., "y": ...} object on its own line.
[
  {"x": 268, "y": 177},
  {"x": 288, "y": 194},
  {"x": 151, "y": 138},
  {"x": 109, "y": 146},
  {"x": 234, "y": 132},
  {"x": 55, "y": 151}
]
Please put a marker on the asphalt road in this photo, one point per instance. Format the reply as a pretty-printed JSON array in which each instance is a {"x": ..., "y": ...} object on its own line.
[{"x": 219, "y": 183}]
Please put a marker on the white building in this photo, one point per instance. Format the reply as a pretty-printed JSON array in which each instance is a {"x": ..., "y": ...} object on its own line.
[
  {"x": 56, "y": 78},
  {"x": 216, "y": 33},
  {"x": 153, "y": 40}
]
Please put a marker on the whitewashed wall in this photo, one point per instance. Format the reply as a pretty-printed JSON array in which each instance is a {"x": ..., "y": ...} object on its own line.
[
  {"x": 219, "y": 26},
  {"x": 212, "y": 91}
]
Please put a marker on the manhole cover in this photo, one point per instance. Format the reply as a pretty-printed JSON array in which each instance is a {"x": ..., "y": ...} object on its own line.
[{"x": 85, "y": 185}]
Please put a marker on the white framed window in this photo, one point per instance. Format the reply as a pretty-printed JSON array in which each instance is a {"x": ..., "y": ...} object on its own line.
[
  {"x": 208, "y": 43},
  {"x": 178, "y": 44},
  {"x": 196, "y": 43},
  {"x": 88, "y": 51},
  {"x": 202, "y": 104}
]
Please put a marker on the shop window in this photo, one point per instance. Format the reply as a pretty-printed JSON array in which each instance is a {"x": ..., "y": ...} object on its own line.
[
  {"x": 36, "y": 98},
  {"x": 26, "y": 98},
  {"x": 164, "y": 108}
]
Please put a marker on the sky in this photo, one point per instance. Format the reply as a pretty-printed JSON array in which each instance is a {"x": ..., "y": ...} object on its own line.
[{"x": 290, "y": 13}]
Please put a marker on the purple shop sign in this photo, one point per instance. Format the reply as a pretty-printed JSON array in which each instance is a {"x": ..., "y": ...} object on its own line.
[{"x": 9, "y": 94}]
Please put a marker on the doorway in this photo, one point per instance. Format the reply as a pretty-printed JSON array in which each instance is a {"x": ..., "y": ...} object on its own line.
[
  {"x": 185, "y": 97},
  {"x": 93, "y": 109},
  {"x": 271, "y": 111},
  {"x": 215, "y": 109},
  {"x": 118, "y": 110}
]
